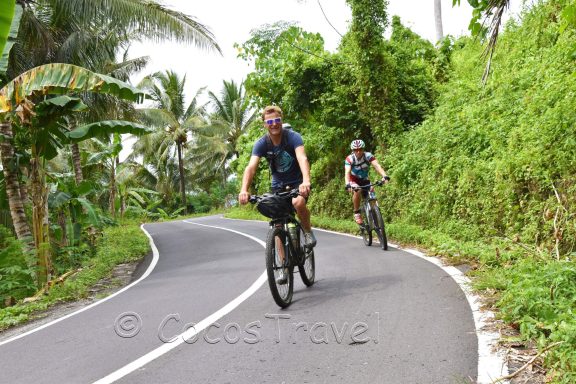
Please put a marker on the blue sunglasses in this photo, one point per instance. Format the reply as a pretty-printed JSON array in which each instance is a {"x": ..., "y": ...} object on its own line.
[{"x": 277, "y": 120}]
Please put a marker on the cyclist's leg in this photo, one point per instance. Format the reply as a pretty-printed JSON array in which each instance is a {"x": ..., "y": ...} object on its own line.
[
  {"x": 304, "y": 216},
  {"x": 279, "y": 245},
  {"x": 303, "y": 212},
  {"x": 356, "y": 198}
]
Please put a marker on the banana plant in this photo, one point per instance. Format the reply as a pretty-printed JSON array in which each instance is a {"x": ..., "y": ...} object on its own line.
[
  {"x": 74, "y": 210},
  {"x": 25, "y": 106},
  {"x": 129, "y": 190},
  {"x": 107, "y": 159},
  {"x": 9, "y": 22}
]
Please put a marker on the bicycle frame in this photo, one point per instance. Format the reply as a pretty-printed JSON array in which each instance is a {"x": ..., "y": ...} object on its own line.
[
  {"x": 294, "y": 255},
  {"x": 369, "y": 200},
  {"x": 284, "y": 250},
  {"x": 372, "y": 216}
]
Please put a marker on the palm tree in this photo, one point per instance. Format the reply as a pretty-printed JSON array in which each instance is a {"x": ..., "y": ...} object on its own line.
[
  {"x": 492, "y": 11},
  {"x": 13, "y": 188},
  {"x": 102, "y": 107},
  {"x": 438, "y": 19},
  {"x": 217, "y": 142},
  {"x": 163, "y": 177},
  {"x": 88, "y": 33},
  {"x": 173, "y": 123}
]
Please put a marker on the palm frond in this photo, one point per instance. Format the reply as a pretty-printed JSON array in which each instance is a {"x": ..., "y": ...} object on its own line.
[
  {"x": 149, "y": 18},
  {"x": 495, "y": 10},
  {"x": 158, "y": 118},
  {"x": 126, "y": 68}
]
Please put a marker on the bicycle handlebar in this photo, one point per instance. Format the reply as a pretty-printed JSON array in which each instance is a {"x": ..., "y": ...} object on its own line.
[
  {"x": 292, "y": 193},
  {"x": 378, "y": 183}
]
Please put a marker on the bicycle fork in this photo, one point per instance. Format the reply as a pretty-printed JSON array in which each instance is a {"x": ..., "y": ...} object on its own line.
[
  {"x": 371, "y": 204},
  {"x": 287, "y": 249}
]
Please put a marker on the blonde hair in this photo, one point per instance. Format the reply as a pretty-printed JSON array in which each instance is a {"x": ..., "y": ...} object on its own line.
[{"x": 271, "y": 109}]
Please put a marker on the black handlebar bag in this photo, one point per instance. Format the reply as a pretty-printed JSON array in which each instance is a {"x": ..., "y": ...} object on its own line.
[{"x": 275, "y": 207}]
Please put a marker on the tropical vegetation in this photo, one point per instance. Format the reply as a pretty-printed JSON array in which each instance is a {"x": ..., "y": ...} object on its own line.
[{"x": 478, "y": 137}]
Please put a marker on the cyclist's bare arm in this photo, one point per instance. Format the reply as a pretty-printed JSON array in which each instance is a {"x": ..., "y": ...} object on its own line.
[
  {"x": 305, "y": 169},
  {"x": 247, "y": 178},
  {"x": 379, "y": 168},
  {"x": 347, "y": 172}
]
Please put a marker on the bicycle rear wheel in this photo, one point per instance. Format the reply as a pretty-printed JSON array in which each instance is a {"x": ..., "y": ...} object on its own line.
[
  {"x": 277, "y": 264},
  {"x": 307, "y": 267},
  {"x": 365, "y": 228},
  {"x": 379, "y": 227}
]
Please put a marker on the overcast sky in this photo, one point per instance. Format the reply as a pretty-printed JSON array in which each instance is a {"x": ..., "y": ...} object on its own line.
[{"x": 232, "y": 20}]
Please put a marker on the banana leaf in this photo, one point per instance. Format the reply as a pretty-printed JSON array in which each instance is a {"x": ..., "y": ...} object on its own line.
[
  {"x": 61, "y": 78},
  {"x": 9, "y": 24},
  {"x": 106, "y": 127},
  {"x": 49, "y": 131}
]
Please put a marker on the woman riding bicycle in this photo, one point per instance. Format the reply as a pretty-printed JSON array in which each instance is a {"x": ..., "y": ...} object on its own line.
[{"x": 356, "y": 167}]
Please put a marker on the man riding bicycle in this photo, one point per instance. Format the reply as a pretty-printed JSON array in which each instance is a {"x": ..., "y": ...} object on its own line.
[
  {"x": 284, "y": 150},
  {"x": 356, "y": 167}
]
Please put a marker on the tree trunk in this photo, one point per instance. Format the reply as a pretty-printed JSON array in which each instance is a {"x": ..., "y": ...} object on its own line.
[
  {"x": 438, "y": 19},
  {"x": 76, "y": 163},
  {"x": 63, "y": 228},
  {"x": 112, "y": 199},
  {"x": 13, "y": 188},
  {"x": 24, "y": 171},
  {"x": 122, "y": 206},
  {"x": 182, "y": 184},
  {"x": 39, "y": 193}
]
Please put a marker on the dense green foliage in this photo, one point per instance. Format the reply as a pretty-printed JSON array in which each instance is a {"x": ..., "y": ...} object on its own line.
[
  {"x": 498, "y": 160},
  {"x": 375, "y": 67}
]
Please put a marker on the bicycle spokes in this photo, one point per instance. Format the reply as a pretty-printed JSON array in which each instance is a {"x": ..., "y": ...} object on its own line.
[{"x": 278, "y": 268}]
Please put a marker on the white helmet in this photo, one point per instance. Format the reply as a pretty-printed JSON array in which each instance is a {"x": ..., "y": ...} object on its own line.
[{"x": 357, "y": 144}]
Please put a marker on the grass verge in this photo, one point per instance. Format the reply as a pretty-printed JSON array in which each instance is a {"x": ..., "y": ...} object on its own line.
[{"x": 120, "y": 244}]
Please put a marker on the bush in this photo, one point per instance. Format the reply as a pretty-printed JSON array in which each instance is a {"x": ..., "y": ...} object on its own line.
[{"x": 16, "y": 276}]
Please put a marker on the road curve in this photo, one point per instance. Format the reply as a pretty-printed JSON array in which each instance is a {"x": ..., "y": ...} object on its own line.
[{"x": 371, "y": 317}]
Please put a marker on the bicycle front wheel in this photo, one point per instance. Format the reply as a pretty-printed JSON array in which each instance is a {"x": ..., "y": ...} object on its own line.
[
  {"x": 379, "y": 227},
  {"x": 307, "y": 267},
  {"x": 278, "y": 269},
  {"x": 365, "y": 227}
]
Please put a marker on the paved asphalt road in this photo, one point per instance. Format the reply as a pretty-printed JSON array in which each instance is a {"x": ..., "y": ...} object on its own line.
[{"x": 371, "y": 317}]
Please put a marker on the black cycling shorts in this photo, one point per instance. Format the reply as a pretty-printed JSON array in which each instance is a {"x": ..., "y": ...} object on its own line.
[{"x": 362, "y": 182}]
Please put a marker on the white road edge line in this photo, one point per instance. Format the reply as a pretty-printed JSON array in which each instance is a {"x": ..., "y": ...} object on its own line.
[
  {"x": 491, "y": 365},
  {"x": 152, "y": 265},
  {"x": 190, "y": 333}
]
